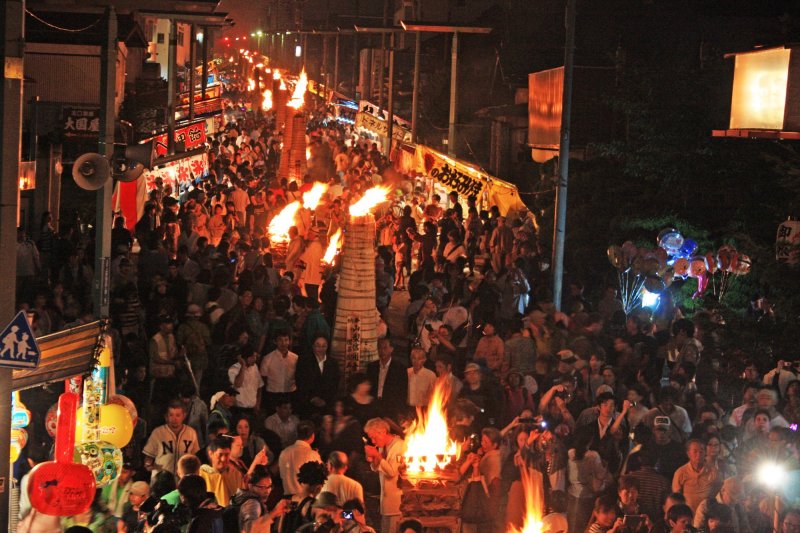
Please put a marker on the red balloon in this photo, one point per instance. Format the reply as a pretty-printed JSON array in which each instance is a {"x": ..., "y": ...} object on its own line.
[{"x": 61, "y": 487}]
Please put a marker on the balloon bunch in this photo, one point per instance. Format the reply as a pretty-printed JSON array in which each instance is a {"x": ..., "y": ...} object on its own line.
[
  {"x": 20, "y": 418},
  {"x": 104, "y": 428},
  {"x": 675, "y": 257}
]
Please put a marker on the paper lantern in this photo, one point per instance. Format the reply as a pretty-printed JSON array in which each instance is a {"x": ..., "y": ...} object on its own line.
[
  {"x": 124, "y": 401},
  {"x": 116, "y": 426},
  {"x": 61, "y": 487},
  {"x": 102, "y": 458}
]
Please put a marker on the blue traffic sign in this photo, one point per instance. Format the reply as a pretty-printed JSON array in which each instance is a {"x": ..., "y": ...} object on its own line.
[{"x": 18, "y": 348}]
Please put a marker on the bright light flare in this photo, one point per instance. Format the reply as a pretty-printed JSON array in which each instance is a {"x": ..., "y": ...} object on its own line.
[
  {"x": 276, "y": 75},
  {"x": 533, "y": 504},
  {"x": 279, "y": 226},
  {"x": 429, "y": 447},
  {"x": 314, "y": 195},
  {"x": 649, "y": 299},
  {"x": 298, "y": 96},
  {"x": 771, "y": 475},
  {"x": 372, "y": 197},
  {"x": 333, "y": 247},
  {"x": 267, "y": 103}
]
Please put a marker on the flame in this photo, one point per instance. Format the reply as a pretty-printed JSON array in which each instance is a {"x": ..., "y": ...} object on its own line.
[
  {"x": 311, "y": 198},
  {"x": 428, "y": 444},
  {"x": 279, "y": 226},
  {"x": 533, "y": 504},
  {"x": 259, "y": 65},
  {"x": 276, "y": 75},
  {"x": 372, "y": 197},
  {"x": 251, "y": 84},
  {"x": 267, "y": 105},
  {"x": 298, "y": 96},
  {"x": 283, "y": 86},
  {"x": 333, "y": 247},
  {"x": 308, "y": 154}
]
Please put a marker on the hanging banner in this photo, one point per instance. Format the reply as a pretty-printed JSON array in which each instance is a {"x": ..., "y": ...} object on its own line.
[
  {"x": 179, "y": 173},
  {"x": 381, "y": 128},
  {"x": 450, "y": 173},
  {"x": 365, "y": 106},
  {"x": 787, "y": 243},
  {"x": 192, "y": 136}
]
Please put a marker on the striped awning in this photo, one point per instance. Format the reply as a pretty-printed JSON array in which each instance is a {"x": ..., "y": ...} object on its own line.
[{"x": 65, "y": 354}]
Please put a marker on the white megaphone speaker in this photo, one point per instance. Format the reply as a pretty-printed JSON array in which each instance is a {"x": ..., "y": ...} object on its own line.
[{"x": 91, "y": 171}]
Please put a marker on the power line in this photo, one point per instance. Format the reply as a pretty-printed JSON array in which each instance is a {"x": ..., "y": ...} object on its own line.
[{"x": 70, "y": 30}]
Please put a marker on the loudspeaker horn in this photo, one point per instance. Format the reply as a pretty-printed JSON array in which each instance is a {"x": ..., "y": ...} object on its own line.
[
  {"x": 91, "y": 171},
  {"x": 140, "y": 153}
]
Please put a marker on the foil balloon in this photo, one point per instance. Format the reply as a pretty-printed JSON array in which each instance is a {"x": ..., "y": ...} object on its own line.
[
  {"x": 702, "y": 283},
  {"x": 681, "y": 267},
  {"x": 638, "y": 265},
  {"x": 629, "y": 252},
  {"x": 115, "y": 427},
  {"x": 744, "y": 265},
  {"x": 102, "y": 458},
  {"x": 20, "y": 416},
  {"x": 653, "y": 283},
  {"x": 668, "y": 276},
  {"x": 734, "y": 261},
  {"x": 724, "y": 258},
  {"x": 651, "y": 266},
  {"x": 698, "y": 266},
  {"x": 670, "y": 240},
  {"x": 711, "y": 261},
  {"x": 61, "y": 487},
  {"x": 126, "y": 402},
  {"x": 661, "y": 255},
  {"x": 688, "y": 249},
  {"x": 615, "y": 256}
]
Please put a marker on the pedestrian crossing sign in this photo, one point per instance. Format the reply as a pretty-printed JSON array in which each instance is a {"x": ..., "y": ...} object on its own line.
[{"x": 18, "y": 348}]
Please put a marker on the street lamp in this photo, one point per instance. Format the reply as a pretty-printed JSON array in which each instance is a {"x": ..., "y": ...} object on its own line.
[{"x": 455, "y": 30}]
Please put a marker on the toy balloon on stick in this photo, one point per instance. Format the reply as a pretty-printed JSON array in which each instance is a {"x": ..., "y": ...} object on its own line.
[{"x": 61, "y": 487}]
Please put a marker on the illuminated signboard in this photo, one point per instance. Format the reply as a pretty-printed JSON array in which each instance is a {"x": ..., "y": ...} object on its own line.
[{"x": 760, "y": 83}]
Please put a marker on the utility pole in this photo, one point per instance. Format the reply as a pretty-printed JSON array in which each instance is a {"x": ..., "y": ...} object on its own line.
[
  {"x": 12, "y": 43},
  {"x": 382, "y": 56},
  {"x": 451, "y": 130},
  {"x": 560, "y": 226},
  {"x": 192, "y": 61},
  {"x": 172, "y": 53},
  {"x": 336, "y": 63},
  {"x": 102, "y": 239},
  {"x": 415, "y": 90},
  {"x": 390, "y": 120}
]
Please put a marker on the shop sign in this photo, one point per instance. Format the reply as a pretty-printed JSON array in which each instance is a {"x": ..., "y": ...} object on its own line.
[
  {"x": 381, "y": 128},
  {"x": 179, "y": 173},
  {"x": 193, "y": 136},
  {"x": 80, "y": 121},
  {"x": 451, "y": 174}
]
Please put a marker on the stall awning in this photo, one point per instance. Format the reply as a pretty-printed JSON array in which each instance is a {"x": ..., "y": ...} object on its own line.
[{"x": 65, "y": 354}]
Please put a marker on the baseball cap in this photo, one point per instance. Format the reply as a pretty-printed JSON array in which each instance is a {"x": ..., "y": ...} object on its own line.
[
  {"x": 567, "y": 356},
  {"x": 661, "y": 422},
  {"x": 472, "y": 367}
]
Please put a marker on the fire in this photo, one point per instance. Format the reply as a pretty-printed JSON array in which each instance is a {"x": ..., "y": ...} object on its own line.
[
  {"x": 279, "y": 226},
  {"x": 298, "y": 96},
  {"x": 276, "y": 75},
  {"x": 283, "y": 86},
  {"x": 429, "y": 447},
  {"x": 267, "y": 105},
  {"x": 372, "y": 197},
  {"x": 251, "y": 84},
  {"x": 533, "y": 504},
  {"x": 333, "y": 247},
  {"x": 308, "y": 154},
  {"x": 311, "y": 198}
]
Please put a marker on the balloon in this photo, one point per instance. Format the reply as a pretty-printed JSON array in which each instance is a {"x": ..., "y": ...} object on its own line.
[
  {"x": 670, "y": 240},
  {"x": 689, "y": 247},
  {"x": 51, "y": 420},
  {"x": 615, "y": 256},
  {"x": 734, "y": 261},
  {"x": 61, "y": 487},
  {"x": 20, "y": 417},
  {"x": 638, "y": 265},
  {"x": 744, "y": 265},
  {"x": 116, "y": 426},
  {"x": 126, "y": 402},
  {"x": 661, "y": 255},
  {"x": 651, "y": 265},
  {"x": 668, "y": 277},
  {"x": 102, "y": 458},
  {"x": 681, "y": 267},
  {"x": 14, "y": 452},
  {"x": 629, "y": 252},
  {"x": 711, "y": 261},
  {"x": 698, "y": 266},
  {"x": 702, "y": 283},
  {"x": 724, "y": 258},
  {"x": 654, "y": 284},
  {"x": 20, "y": 436}
]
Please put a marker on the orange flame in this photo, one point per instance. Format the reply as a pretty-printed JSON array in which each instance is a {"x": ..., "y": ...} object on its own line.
[
  {"x": 428, "y": 444},
  {"x": 279, "y": 226},
  {"x": 251, "y": 84},
  {"x": 308, "y": 154},
  {"x": 267, "y": 104},
  {"x": 372, "y": 197},
  {"x": 333, "y": 247},
  {"x": 283, "y": 86},
  {"x": 533, "y": 504},
  {"x": 276, "y": 75},
  {"x": 311, "y": 198},
  {"x": 298, "y": 96}
]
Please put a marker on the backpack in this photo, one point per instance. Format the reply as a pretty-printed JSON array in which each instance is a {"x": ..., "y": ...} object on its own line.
[{"x": 230, "y": 515}]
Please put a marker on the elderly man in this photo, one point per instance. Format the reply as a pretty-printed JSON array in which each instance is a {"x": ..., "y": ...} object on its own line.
[
  {"x": 382, "y": 456},
  {"x": 729, "y": 495},
  {"x": 696, "y": 480},
  {"x": 345, "y": 488}
]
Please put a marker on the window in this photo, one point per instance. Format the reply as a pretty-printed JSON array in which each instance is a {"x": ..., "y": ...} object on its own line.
[{"x": 160, "y": 38}]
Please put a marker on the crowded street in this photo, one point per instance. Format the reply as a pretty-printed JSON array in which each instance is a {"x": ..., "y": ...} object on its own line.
[{"x": 286, "y": 312}]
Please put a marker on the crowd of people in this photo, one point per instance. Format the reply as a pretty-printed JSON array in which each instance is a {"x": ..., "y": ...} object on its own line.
[{"x": 246, "y": 423}]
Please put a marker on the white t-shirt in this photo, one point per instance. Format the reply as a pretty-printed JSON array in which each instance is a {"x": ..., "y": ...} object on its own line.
[
  {"x": 248, "y": 392},
  {"x": 278, "y": 371}
]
